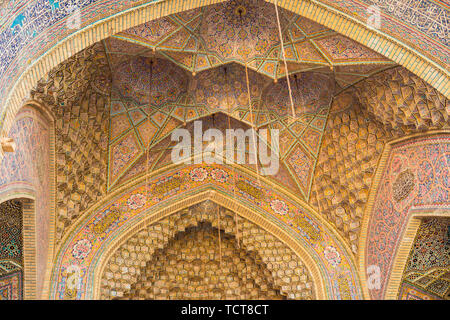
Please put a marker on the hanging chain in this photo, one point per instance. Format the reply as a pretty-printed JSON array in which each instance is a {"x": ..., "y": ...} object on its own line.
[
  {"x": 234, "y": 169},
  {"x": 285, "y": 62}
]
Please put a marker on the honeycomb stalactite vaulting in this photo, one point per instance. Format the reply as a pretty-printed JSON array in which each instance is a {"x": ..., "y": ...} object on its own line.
[
  {"x": 351, "y": 147},
  {"x": 181, "y": 257},
  {"x": 77, "y": 93},
  {"x": 11, "y": 239},
  {"x": 189, "y": 267},
  {"x": 399, "y": 99},
  {"x": 362, "y": 120}
]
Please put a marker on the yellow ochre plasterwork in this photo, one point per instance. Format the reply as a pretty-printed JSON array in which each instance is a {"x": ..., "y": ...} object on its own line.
[{"x": 147, "y": 177}]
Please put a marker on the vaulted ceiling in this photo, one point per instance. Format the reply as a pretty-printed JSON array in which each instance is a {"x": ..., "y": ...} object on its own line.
[{"x": 246, "y": 32}]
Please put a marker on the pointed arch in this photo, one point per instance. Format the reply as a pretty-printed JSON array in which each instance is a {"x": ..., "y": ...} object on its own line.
[
  {"x": 298, "y": 225},
  {"x": 390, "y": 222}
]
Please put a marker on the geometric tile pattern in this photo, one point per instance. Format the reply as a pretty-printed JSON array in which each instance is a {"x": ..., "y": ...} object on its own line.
[
  {"x": 431, "y": 247},
  {"x": 415, "y": 176},
  {"x": 362, "y": 119},
  {"x": 300, "y": 138},
  {"x": 31, "y": 28},
  {"x": 401, "y": 108},
  {"x": 428, "y": 265},
  {"x": 245, "y": 32},
  {"x": 144, "y": 95},
  {"x": 11, "y": 242},
  {"x": 409, "y": 291},
  {"x": 159, "y": 155},
  {"x": 11, "y": 286},
  {"x": 28, "y": 169},
  {"x": 304, "y": 136},
  {"x": 122, "y": 154},
  {"x": 184, "y": 183}
]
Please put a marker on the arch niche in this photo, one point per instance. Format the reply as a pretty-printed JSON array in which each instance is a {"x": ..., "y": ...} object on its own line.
[{"x": 84, "y": 252}]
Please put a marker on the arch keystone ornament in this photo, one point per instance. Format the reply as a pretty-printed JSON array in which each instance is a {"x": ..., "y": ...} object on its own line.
[{"x": 83, "y": 253}]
